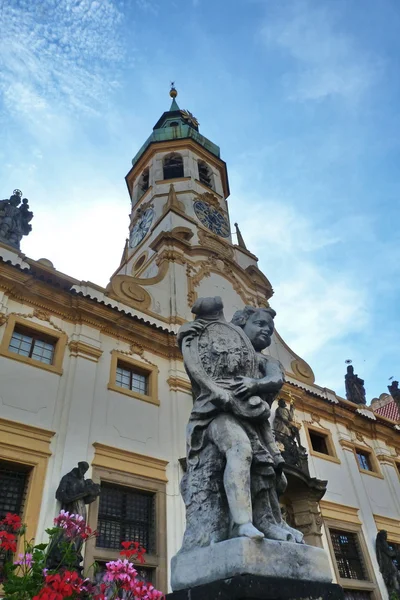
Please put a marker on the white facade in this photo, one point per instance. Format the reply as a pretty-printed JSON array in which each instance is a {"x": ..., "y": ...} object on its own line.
[{"x": 84, "y": 413}]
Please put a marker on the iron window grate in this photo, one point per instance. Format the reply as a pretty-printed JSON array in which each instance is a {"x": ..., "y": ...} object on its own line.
[
  {"x": 357, "y": 595},
  {"x": 13, "y": 486},
  {"x": 173, "y": 166},
  {"x": 348, "y": 555},
  {"x": 126, "y": 514}
]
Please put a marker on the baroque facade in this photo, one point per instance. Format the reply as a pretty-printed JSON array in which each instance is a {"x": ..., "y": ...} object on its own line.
[{"x": 95, "y": 374}]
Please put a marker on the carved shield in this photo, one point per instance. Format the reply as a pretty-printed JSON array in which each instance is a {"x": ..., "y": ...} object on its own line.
[{"x": 225, "y": 352}]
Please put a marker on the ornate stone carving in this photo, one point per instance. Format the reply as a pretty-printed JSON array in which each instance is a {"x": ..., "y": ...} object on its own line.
[
  {"x": 385, "y": 555},
  {"x": 212, "y": 241},
  {"x": 211, "y": 199},
  {"x": 124, "y": 288},
  {"x": 15, "y": 218},
  {"x": 234, "y": 468},
  {"x": 355, "y": 390},
  {"x": 286, "y": 431},
  {"x": 302, "y": 370}
]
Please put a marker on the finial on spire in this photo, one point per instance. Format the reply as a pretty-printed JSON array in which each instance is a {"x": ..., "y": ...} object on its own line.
[
  {"x": 240, "y": 239},
  {"x": 172, "y": 92}
]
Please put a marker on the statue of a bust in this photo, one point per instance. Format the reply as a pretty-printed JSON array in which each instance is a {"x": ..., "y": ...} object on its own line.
[{"x": 234, "y": 467}]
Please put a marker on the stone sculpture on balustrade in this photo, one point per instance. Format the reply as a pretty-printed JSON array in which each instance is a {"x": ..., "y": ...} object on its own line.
[
  {"x": 234, "y": 473},
  {"x": 15, "y": 218}
]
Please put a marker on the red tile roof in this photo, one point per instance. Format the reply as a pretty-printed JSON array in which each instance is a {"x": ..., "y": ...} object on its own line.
[{"x": 389, "y": 410}]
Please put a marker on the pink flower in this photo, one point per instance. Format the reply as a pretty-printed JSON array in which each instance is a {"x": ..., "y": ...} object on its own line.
[
  {"x": 73, "y": 525},
  {"x": 24, "y": 560}
]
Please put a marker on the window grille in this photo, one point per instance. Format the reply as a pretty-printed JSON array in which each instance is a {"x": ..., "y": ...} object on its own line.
[
  {"x": 173, "y": 166},
  {"x": 126, "y": 514},
  {"x": 318, "y": 442},
  {"x": 348, "y": 555},
  {"x": 131, "y": 379},
  {"x": 357, "y": 595},
  {"x": 204, "y": 173},
  {"x": 144, "y": 182},
  {"x": 33, "y": 345},
  {"x": 13, "y": 486},
  {"x": 364, "y": 460}
]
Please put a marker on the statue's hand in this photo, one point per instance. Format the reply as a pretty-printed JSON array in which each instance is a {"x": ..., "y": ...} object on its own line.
[
  {"x": 245, "y": 387},
  {"x": 189, "y": 331}
]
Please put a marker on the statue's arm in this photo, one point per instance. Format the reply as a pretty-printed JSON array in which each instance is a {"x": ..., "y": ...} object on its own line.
[
  {"x": 65, "y": 496},
  {"x": 273, "y": 379}
]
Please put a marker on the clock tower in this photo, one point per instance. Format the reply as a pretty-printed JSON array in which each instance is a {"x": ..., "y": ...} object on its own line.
[{"x": 180, "y": 244}]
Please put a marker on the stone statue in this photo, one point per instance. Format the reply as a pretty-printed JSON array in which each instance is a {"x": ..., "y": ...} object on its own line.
[
  {"x": 234, "y": 467},
  {"x": 395, "y": 392},
  {"x": 74, "y": 492},
  {"x": 284, "y": 421},
  {"x": 14, "y": 219},
  {"x": 355, "y": 390},
  {"x": 385, "y": 555}
]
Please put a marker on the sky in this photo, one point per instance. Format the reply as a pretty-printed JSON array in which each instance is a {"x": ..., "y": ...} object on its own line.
[{"x": 303, "y": 98}]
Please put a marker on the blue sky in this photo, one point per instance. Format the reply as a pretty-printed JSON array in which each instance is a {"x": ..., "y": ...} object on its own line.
[{"x": 303, "y": 98}]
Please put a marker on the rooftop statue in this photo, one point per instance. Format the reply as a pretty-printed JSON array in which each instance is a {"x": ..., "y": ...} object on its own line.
[
  {"x": 15, "y": 218},
  {"x": 355, "y": 390},
  {"x": 284, "y": 423},
  {"x": 234, "y": 467}
]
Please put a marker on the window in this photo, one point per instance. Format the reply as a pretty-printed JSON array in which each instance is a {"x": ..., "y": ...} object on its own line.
[
  {"x": 130, "y": 507},
  {"x": 13, "y": 487},
  {"x": 143, "y": 184},
  {"x": 205, "y": 174},
  {"x": 353, "y": 567},
  {"x": 133, "y": 378},
  {"x": 37, "y": 346},
  {"x": 320, "y": 443},
  {"x": 363, "y": 459},
  {"x": 348, "y": 556},
  {"x": 125, "y": 514},
  {"x": 33, "y": 344},
  {"x": 173, "y": 166},
  {"x": 354, "y": 595}
]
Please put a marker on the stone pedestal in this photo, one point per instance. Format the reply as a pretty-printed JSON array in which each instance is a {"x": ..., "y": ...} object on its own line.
[
  {"x": 241, "y": 556},
  {"x": 254, "y": 587}
]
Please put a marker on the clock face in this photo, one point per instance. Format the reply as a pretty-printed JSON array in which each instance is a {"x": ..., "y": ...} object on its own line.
[
  {"x": 141, "y": 227},
  {"x": 212, "y": 218}
]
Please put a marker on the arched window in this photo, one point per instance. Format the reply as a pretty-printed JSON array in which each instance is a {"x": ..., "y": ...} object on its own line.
[
  {"x": 205, "y": 174},
  {"x": 143, "y": 184},
  {"x": 173, "y": 166}
]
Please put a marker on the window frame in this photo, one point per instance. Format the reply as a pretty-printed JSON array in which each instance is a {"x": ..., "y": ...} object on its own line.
[
  {"x": 210, "y": 172},
  {"x": 376, "y": 470},
  {"x": 367, "y": 585},
  {"x": 27, "y": 446},
  {"x": 150, "y": 370},
  {"x": 60, "y": 338},
  {"x": 157, "y": 560},
  {"x": 327, "y": 434},
  {"x": 168, "y": 156}
]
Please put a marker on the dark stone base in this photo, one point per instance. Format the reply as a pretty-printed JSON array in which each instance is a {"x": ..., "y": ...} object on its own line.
[{"x": 253, "y": 587}]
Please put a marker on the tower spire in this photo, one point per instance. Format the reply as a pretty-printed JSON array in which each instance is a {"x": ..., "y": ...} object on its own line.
[{"x": 173, "y": 93}]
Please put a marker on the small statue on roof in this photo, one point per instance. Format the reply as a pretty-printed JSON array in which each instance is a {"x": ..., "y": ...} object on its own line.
[
  {"x": 15, "y": 218},
  {"x": 355, "y": 390}
]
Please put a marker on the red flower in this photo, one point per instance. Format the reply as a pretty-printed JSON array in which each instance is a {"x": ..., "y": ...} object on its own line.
[
  {"x": 61, "y": 585},
  {"x": 13, "y": 521},
  {"x": 133, "y": 549},
  {"x": 8, "y": 541}
]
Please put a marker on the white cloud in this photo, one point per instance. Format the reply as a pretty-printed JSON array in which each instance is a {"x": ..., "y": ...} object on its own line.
[
  {"x": 57, "y": 57},
  {"x": 327, "y": 62}
]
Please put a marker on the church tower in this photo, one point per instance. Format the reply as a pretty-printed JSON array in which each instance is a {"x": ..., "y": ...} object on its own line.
[{"x": 180, "y": 237}]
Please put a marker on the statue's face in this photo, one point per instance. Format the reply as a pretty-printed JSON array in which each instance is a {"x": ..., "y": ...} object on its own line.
[
  {"x": 259, "y": 329},
  {"x": 282, "y": 403}
]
